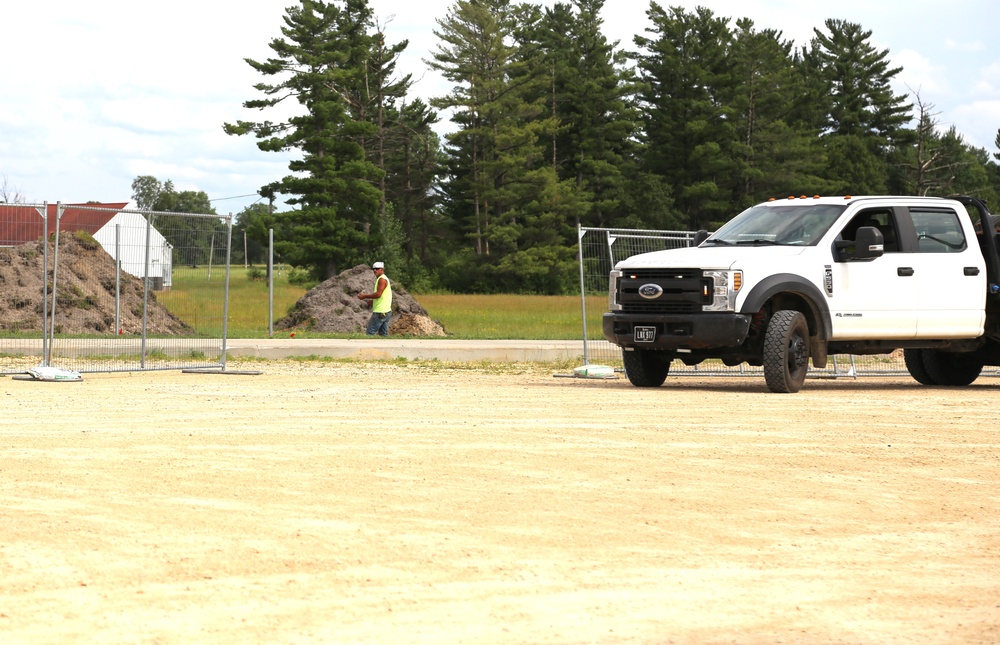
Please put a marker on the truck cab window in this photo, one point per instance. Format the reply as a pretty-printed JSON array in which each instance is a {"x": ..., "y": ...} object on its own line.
[
  {"x": 938, "y": 231},
  {"x": 881, "y": 219}
]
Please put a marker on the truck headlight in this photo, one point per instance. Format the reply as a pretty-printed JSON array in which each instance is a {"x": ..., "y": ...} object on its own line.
[
  {"x": 614, "y": 280},
  {"x": 725, "y": 286}
]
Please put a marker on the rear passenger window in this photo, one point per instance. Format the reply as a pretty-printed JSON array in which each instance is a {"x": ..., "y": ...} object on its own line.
[{"x": 938, "y": 231}]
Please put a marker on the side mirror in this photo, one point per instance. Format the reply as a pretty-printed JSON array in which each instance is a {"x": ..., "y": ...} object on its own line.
[
  {"x": 868, "y": 244},
  {"x": 699, "y": 237}
]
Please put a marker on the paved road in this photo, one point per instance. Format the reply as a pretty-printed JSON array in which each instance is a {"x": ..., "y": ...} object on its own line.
[
  {"x": 423, "y": 349},
  {"x": 357, "y": 348}
]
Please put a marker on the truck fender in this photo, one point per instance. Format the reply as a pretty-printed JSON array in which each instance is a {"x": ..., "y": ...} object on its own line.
[{"x": 791, "y": 283}]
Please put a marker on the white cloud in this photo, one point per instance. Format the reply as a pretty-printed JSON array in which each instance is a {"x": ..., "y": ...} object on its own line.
[
  {"x": 981, "y": 120},
  {"x": 964, "y": 47},
  {"x": 988, "y": 84},
  {"x": 919, "y": 75}
]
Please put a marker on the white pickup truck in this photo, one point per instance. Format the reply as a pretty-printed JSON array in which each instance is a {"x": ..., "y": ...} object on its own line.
[{"x": 802, "y": 278}]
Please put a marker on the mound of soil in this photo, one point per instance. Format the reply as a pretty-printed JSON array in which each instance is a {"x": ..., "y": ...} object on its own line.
[
  {"x": 85, "y": 298},
  {"x": 333, "y": 307}
]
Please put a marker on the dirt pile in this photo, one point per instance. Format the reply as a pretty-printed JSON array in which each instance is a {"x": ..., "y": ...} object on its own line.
[
  {"x": 85, "y": 299},
  {"x": 333, "y": 307}
]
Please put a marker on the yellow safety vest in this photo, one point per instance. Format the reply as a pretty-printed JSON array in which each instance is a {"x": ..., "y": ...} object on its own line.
[{"x": 382, "y": 305}]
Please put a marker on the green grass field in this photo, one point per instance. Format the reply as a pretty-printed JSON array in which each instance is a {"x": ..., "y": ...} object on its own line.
[
  {"x": 197, "y": 300},
  {"x": 482, "y": 317},
  {"x": 514, "y": 317}
]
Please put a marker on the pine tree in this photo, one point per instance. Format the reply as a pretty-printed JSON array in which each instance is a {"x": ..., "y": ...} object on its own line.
[
  {"x": 858, "y": 78},
  {"x": 475, "y": 55},
  {"x": 375, "y": 100},
  {"x": 413, "y": 166},
  {"x": 688, "y": 129},
  {"x": 590, "y": 97},
  {"x": 496, "y": 162},
  {"x": 865, "y": 122},
  {"x": 772, "y": 157},
  {"x": 322, "y": 63}
]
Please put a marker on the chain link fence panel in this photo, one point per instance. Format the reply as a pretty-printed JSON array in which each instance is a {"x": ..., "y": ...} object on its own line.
[{"x": 102, "y": 288}]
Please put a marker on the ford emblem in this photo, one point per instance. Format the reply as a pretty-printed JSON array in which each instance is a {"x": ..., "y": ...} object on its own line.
[{"x": 650, "y": 291}]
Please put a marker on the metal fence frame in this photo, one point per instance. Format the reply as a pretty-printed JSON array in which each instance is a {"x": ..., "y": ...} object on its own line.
[{"x": 112, "y": 349}]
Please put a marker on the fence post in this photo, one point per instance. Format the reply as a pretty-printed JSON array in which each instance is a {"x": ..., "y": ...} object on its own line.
[
  {"x": 583, "y": 292},
  {"x": 45, "y": 283},
  {"x": 225, "y": 298},
  {"x": 270, "y": 283},
  {"x": 55, "y": 275},
  {"x": 145, "y": 290},
  {"x": 118, "y": 280}
]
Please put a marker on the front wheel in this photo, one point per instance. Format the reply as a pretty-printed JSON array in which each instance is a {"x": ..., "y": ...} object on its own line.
[
  {"x": 786, "y": 351},
  {"x": 646, "y": 368}
]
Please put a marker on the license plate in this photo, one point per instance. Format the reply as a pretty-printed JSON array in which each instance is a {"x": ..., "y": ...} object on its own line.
[{"x": 645, "y": 334}]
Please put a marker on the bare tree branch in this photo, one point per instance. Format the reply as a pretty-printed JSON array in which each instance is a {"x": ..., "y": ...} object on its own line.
[{"x": 10, "y": 194}]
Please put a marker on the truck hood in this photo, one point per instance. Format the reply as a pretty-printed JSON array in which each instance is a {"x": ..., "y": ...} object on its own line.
[{"x": 710, "y": 257}]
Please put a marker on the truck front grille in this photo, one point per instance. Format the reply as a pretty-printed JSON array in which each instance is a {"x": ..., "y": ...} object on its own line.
[
  {"x": 684, "y": 291},
  {"x": 660, "y": 308}
]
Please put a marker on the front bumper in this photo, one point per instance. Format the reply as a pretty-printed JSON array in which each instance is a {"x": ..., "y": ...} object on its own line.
[{"x": 701, "y": 331}]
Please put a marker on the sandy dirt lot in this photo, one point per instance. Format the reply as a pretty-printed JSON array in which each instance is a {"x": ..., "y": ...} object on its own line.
[{"x": 401, "y": 503}]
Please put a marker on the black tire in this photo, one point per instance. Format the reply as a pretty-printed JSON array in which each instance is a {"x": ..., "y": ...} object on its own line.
[
  {"x": 646, "y": 368},
  {"x": 786, "y": 351},
  {"x": 952, "y": 368},
  {"x": 914, "y": 359}
]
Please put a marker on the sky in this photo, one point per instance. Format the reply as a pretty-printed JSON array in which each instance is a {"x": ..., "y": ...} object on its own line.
[{"x": 98, "y": 93}]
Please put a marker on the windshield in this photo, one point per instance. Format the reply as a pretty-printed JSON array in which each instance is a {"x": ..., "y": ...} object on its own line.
[{"x": 791, "y": 225}]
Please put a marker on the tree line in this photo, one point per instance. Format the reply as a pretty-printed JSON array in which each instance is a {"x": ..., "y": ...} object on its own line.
[{"x": 553, "y": 126}]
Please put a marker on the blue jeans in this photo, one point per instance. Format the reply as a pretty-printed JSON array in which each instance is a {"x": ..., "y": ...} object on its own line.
[{"x": 379, "y": 324}]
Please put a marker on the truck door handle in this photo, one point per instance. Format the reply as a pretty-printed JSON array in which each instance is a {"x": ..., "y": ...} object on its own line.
[
  {"x": 971, "y": 270},
  {"x": 904, "y": 271}
]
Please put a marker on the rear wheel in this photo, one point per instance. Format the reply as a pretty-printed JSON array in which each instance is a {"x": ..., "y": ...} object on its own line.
[
  {"x": 646, "y": 368},
  {"x": 786, "y": 351},
  {"x": 951, "y": 368},
  {"x": 914, "y": 359}
]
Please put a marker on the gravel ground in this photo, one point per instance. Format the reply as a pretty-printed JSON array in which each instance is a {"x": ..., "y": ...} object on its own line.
[{"x": 425, "y": 503}]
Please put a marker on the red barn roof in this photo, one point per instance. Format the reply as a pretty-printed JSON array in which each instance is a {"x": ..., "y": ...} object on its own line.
[{"x": 20, "y": 224}]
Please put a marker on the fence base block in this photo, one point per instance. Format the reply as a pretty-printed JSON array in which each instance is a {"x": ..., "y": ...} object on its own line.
[{"x": 223, "y": 371}]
